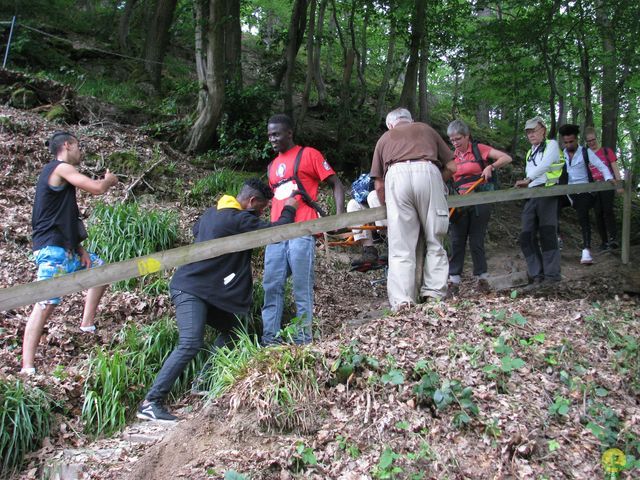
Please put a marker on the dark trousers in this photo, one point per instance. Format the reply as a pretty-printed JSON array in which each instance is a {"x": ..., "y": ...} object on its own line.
[
  {"x": 539, "y": 238},
  {"x": 472, "y": 225},
  {"x": 192, "y": 314},
  {"x": 605, "y": 216},
  {"x": 582, "y": 204}
]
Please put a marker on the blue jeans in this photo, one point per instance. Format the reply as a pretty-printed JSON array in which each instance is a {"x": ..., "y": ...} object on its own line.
[
  {"x": 296, "y": 258},
  {"x": 192, "y": 314}
]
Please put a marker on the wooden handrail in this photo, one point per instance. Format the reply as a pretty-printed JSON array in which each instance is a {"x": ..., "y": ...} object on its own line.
[{"x": 29, "y": 293}]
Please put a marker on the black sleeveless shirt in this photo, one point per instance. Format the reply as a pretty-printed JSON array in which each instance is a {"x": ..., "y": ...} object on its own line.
[{"x": 56, "y": 218}]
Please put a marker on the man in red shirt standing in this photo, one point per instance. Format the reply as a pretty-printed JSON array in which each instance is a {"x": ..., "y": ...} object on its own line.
[{"x": 295, "y": 171}]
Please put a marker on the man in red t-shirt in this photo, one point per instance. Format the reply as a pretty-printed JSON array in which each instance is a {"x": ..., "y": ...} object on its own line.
[{"x": 293, "y": 257}]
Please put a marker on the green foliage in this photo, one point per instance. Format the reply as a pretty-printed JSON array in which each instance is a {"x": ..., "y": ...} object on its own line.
[
  {"x": 605, "y": 424},
  {"x": 25, "y": 420},
  {"x": 430, "y": 391},
  {"x": 227, "y": 366},
  {"x": 242, "y": 133},
  {"x": 279, "y": 383},
  {"x": 118, "y": 376},
  {"x": 303, "y": 458},
  {"x": 385, "y": 467},
  {"x": 207, "y": 190},
  {"x": 560, "y": 406},
  {"x": 350, "y": 362},
  {"x": 394, "y": 376},
  {"x": 611, "y": 326},
  {"x": 349, "y": 447},
  {"x": 123, "y": 231}
]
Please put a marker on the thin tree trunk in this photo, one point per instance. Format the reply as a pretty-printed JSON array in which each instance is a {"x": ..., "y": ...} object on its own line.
[
  {"x": 408, "y": 95},
  {"x": 202, "y": 135},
  {"x": 610, "y": 99},
  {"x": 456, "y": 92},
  {"x": 123, "y": 24},
  {"x": 310, "y": 63},
  {"x": 423, "y": 116},
  {"x": 363, "y": 48},
  {"x": 357, "y": 59},
  {"x": 297, "y": 27},
  {"x": 384, "y": 86},
  {"x": 158, "y": 39},
  {"x": 233, "y": 43},
  {"x": 317, "y": 72}
]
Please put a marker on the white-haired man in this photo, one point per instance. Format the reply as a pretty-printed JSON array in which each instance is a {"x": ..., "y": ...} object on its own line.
[{"x": 410, "y": 164}]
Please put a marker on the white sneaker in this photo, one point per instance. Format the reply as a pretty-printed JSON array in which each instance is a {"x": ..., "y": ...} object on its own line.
[{"x": 586, "y": 257}]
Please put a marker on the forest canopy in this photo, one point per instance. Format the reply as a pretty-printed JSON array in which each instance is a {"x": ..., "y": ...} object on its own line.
[{"x": 216, "y": 69}]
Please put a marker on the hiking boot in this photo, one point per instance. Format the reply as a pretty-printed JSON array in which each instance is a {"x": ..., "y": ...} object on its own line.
[
  {"x": 604, "y": 247},
  {"x": 586, "y": 258},
  {"x": 560, "y": 243},
  {"x": 613, "y": 245},
  {"x": 154, "y": 411},
  {"x": 369, "y": 255}
]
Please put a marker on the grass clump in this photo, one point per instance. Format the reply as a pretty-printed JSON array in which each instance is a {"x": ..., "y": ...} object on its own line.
[
  {"x": 118, "y": 377},
  {"x": 207, "y": 189},
  {"x": 227, "y": 366},
  {"x": 282, "y": 388},
  {"x": 25, "y": 419},
  {"x": 123, "y": 231}
]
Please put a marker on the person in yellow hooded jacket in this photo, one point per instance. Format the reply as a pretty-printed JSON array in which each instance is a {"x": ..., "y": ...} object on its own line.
[{"x": 215, "y": 291}]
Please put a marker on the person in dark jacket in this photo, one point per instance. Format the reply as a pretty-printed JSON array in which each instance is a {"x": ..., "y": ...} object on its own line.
[
  {"x": 58, "y": 233},
  {"x": 214, "y": 291}
]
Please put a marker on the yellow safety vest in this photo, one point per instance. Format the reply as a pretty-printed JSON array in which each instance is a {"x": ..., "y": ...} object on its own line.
[{"x": 555, "y": 170}]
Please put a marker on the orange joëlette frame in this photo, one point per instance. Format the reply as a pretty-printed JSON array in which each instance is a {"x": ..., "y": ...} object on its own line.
[{"x": 470, "y": 189}]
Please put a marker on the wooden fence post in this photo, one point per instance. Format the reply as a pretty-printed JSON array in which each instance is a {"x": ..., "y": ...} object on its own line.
[{"x": 626, "y": 216}]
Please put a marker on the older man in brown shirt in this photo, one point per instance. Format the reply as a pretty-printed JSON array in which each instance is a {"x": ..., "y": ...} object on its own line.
[{"x": 410, "y": 164}]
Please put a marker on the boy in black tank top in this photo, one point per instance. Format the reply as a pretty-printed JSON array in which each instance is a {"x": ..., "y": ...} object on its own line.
[{"x": 58, "y": 233}]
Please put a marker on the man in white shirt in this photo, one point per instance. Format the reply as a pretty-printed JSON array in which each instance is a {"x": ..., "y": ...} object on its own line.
[
  {"x": 539, "y": 237},
  {"x": 577, "y": 160}
]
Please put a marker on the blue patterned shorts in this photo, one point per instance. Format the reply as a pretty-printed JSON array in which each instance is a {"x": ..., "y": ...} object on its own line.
[{"x": 56, "y": 261}]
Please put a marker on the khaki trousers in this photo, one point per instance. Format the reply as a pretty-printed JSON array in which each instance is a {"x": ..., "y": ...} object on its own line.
[{"x": 416, "y": 207}]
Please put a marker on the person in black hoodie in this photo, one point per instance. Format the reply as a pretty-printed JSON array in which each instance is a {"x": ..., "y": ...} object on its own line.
[{"x": 214, "y": 291}]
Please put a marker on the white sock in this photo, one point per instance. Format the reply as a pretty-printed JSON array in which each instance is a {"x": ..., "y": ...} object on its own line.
[{"x": 89, "y": 329}]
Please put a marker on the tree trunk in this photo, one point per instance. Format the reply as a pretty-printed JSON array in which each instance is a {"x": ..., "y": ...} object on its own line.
[
  {"x": 310, "y": 63},
  {"x": 422, "y": 84},
  {"x": 297, "y": 27},
  {"x": 357, "y": 59},
  {"x": 384, "y": 86},
  {"x": 123, "y": 24},
  {"x": 408, "y": 95},
  {"x": 317, "y": 44},
  {"x": 211, "y": 99},
  {"x": 233, "y": 43},
  {"x": 562, "y": 111},
  {"x": 610, "y": 99},
  {"x": 158, "y": 39},
  {"x": 363, "y": 47}
]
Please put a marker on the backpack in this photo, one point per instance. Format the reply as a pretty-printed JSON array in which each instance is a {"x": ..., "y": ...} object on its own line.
[
  {"x": 361, "y": 187},
  {"x": 493, "y": 184},
  {"x": 301, "y": 190},
  {"x": 585, "y": 157}
]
